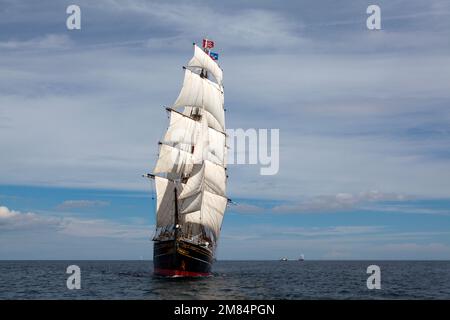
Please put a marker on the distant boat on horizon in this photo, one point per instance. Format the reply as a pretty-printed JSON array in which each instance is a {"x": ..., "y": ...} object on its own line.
[
  {"x": 302, "y": 257},
  {"x": 284, "y": 259}
]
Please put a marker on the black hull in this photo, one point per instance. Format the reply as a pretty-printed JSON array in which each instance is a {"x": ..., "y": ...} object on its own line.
[{"x": 178, "y": 258}]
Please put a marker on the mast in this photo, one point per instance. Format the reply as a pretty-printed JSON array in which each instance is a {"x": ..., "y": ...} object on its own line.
[
  {"x": 204, "y": 72},
  {"x": 176, "y": 214}
]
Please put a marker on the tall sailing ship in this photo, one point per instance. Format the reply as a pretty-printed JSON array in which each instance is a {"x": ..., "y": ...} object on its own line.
[{"x": 190, "y": 173}]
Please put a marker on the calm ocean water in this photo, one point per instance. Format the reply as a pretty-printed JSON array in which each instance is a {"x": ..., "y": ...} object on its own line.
[{"x": 231, "y": 280}]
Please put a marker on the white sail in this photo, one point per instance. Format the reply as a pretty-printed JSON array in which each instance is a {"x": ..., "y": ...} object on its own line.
[
  {"x": 193, "y": 185},
  {"x": 181, "y": 129},
  {"x": 201, "y": 60},
  {"x": 211, "y": 120},
  {"x": 215, "y": 178},
  {"x": 173, "y": 160},
  {"x": 191, "y": 203},
  {"x": 216, "y": 139},
  {"x": 165, "y": 202},
  {"x": 209, "y": 177},
  {"x": 213, "y": 210},
  {"x": 217, "y": 147},
  {"x": 210, "y": 214},
  {"x": 195, "y": 182},
  {"x": 203, "y": 93},
  {"x": 202, "y": 145}
]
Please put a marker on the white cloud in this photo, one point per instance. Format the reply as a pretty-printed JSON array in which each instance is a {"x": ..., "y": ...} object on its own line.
[
  {"x": 47, "y": 42},
  {"x": 100, "y": 228},
  {"x": 340, "y": 201},
  {"x": 80, "y": 204},
  {"x": 246, "y": 208},
  {"x": 408, "y": 209},
  {"x": 37, "y": 236},
  {"x": 338, "y": 242},
  {"x": 330, "y": 231},
  {"x": 17, "y": 221},
  {"x": 244, "y": 28},
  {"x": 91, "y": 116},
  {"x": 325, "y": 203},
  {"x": 5, "y": 213},
  {"x": 289, "y": 232}
]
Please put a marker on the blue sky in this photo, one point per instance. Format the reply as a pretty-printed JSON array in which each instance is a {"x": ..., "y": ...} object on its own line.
[{"x": 363, "y": 115}]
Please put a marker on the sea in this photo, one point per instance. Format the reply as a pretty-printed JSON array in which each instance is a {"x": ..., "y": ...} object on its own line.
[{"x": 230, "y": 280}]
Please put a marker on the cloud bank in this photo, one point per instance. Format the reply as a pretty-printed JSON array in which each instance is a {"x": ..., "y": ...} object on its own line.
[{"x": 356, "y": 110}]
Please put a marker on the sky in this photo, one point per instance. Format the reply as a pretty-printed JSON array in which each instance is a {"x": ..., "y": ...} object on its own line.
[{"x": 364, "y": 120}]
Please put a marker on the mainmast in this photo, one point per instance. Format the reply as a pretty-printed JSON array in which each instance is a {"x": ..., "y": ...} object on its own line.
[{"x": 176, "y": 213}]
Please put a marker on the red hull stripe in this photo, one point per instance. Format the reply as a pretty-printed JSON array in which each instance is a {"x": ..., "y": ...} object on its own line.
[{"x": 179, "y": 273}]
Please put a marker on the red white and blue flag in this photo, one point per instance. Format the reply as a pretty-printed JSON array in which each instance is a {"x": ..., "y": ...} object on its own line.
[
  {"x": 208, "y": 44},
  {"x": 213, "y": 55}
]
